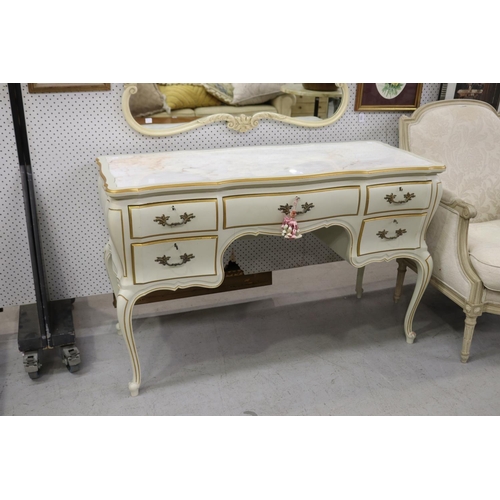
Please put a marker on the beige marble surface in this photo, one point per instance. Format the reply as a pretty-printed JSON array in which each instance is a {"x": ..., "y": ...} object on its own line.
[{"x": 262, "y": 162}]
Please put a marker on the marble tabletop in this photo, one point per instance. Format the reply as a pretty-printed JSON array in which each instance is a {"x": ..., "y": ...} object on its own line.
[{"x": 256, "y": 163}]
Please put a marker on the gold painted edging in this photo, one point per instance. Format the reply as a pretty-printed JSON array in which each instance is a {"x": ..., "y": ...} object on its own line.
[
  {"x": 395, "y": 184},
  {"x": 406, "y": 170},
  {"x": 129, "y": 337},
  {"x": 292, "y": 193},
  {"x": 138, "y": 207},
  {"x": 358, "y": 249},
  {"x": 123, "y": 239},
  {"x": 156, "y": 242}
]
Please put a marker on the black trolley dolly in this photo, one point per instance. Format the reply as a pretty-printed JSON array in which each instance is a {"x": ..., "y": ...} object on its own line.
[{"x": 47, "y": 324}]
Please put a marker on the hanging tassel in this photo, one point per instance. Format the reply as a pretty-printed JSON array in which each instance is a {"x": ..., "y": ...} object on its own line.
[{"x": 290, "y": 227}]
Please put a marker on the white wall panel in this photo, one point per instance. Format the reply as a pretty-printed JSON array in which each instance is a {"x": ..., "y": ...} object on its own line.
[{"x": 67, "y": 131}]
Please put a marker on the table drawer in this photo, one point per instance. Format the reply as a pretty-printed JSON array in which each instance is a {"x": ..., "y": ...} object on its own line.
[
  {"x": 383, "y": 234},
  {"x": 172, "y": 217},
  {"x": 174, "y": 258},
  {"x": 268, "y": 209},
  {"x": 398, "y": 196}
]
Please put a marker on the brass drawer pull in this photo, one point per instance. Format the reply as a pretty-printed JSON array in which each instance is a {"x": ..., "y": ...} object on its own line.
[
  {"x": 185, "y": 218},
  {"x": 164, "y": 260},
  {"x": 383, "y": 234},
  {"x": 391, "y": 198},
  {"x": 286, "y": 209}
]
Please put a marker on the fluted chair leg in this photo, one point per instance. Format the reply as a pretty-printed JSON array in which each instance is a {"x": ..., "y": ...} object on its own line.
[{"x": 470, "y": 324}]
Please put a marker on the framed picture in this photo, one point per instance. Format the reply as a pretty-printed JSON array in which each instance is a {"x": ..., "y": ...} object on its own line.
[
  {"x": 41, "y": 88},
  {"x": 487, "y": 92},
  {"x": 387, "y": 96}
]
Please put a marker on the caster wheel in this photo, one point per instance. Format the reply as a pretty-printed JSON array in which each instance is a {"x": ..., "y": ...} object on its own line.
[
  {"x": 73, "y": 369},
  {"x": 33, "y": 375}
]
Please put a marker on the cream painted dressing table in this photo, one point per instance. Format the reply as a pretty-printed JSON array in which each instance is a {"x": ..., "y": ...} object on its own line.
[{"x": 172, "y": 215}]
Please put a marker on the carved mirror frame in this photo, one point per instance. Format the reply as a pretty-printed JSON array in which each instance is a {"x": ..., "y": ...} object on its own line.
[{"x": 240, "y": 123}]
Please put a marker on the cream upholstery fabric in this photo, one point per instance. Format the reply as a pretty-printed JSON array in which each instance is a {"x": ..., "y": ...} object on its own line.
[
  {"x": 467, "y": 139},
  {"x": 484, "y": 252}
]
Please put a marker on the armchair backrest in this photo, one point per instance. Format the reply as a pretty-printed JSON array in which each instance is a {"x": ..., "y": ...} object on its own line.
[{"x": 465, "y": 136}]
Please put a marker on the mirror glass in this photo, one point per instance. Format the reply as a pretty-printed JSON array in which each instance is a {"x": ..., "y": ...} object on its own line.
[{"x": 161, "y": 109}]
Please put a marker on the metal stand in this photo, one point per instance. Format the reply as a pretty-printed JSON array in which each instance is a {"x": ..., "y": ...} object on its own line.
[{"x": 45, "y": 324}]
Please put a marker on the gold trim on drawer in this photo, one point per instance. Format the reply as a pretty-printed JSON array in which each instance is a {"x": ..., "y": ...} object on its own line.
[
  {"x": 288, "y": 193},
  {"x": 166, "y": 203},
  {"x": 396, "y": 208},
  {"x": 388, "y": 217},
  {"x": 133, "y": 245}
]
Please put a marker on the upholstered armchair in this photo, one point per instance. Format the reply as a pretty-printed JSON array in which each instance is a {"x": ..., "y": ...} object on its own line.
[{"x": 464, "y": 235}]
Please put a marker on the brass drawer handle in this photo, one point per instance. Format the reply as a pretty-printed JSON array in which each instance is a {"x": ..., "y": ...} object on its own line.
[
  {"x": 164, "y": 260},
  {"x": 286, "y": 209},
  {"x": 391, "y": 198},
  {"x": 185, "y": 218},
  {"x": 383, "y": 234}
]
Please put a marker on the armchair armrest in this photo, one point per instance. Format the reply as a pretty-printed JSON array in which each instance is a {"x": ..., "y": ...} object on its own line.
[
  {"x": 464, "y": 209},
  {"x": 284, "y": 103},
  {"x": 447, "y": 239}
]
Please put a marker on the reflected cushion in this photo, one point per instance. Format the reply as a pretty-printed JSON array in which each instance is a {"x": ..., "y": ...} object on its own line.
[
  {"x": 147, "y": 101},
  {"x": 181, "y": 96},
  {"x": 222, "y": 91},
  {"x": 255, "y": 93}
]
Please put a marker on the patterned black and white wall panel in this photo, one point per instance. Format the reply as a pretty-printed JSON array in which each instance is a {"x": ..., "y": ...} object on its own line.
[{"x": 68, "y": 131}]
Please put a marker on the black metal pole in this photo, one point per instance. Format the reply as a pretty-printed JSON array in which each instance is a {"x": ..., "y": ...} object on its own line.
[{"x": 41, "y": 292}]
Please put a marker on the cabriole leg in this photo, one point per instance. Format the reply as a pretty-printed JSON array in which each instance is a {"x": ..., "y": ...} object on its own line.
[
  {"x": 124, "y": 308},
  {"x": 424, "y": 271}
]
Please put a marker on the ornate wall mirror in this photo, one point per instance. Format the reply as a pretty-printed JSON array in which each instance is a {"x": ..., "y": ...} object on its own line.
[{"x": 162, "y": 109}]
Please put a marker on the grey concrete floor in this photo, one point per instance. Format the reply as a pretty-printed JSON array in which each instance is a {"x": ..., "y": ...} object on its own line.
[{"x": 303, "y": 346}]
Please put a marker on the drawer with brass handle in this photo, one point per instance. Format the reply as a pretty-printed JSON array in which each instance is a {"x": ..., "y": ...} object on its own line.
[
  {"x": 172, "y": 217},
  {"x": 382, "y": 234},
  {"x": 401, "y": 197},
  {"x": 268, "y": 209},
  {"x": 174, "y": 258}
]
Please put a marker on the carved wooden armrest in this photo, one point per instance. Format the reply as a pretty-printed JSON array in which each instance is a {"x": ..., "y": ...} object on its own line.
[
  {"x": 284, "y": 103},
  {"x": 464, "y": 209}
]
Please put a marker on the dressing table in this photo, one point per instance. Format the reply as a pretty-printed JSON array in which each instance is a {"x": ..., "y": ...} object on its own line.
[{"x": 172, "y": 215}]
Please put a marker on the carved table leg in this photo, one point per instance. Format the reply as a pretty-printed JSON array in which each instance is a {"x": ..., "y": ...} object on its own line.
[
  {"x": 124, "y": 306},
  {"x": 424, "y": 271},
  {"x": 400, "y": 279},
  {"x": 359, "y": 282}
]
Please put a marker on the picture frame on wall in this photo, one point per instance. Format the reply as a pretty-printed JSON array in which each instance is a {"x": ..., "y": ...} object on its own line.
[
  {"x": 42, "y": 88},
  {"x": 486, "y": 92},
  {"x": 387, "y": 96}
]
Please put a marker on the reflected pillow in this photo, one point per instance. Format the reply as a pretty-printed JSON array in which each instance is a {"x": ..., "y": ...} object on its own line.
[
  {"x": 181, "y": 96},
  {"x": 222, "y": 91},
  {"x": 255, "y": 93},
  {"x": 147, "y": 101}
]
